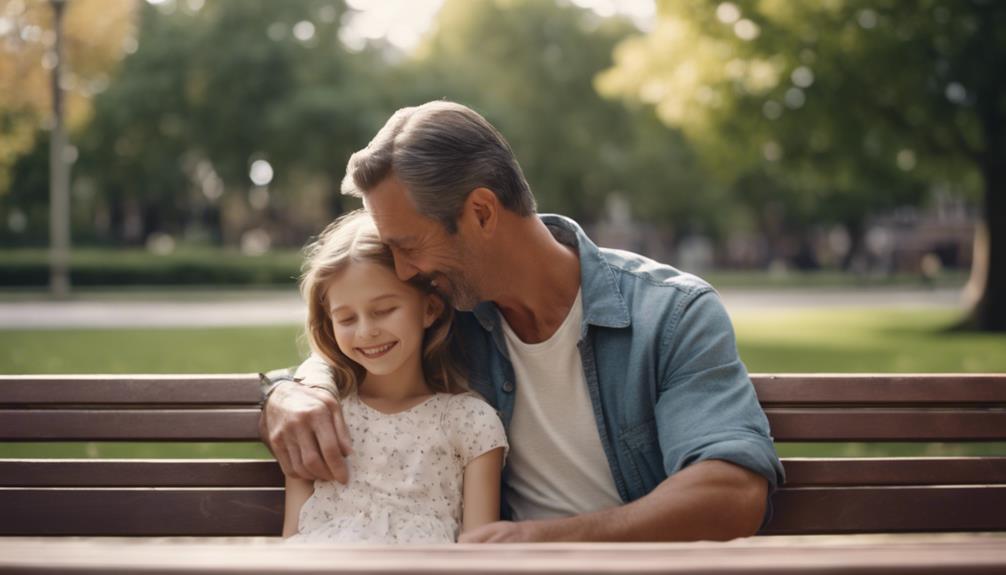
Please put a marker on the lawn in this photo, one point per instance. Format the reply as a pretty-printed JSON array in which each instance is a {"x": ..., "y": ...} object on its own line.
[
  {"x": 825, "y": 340},
  {"x": 864, "y": 340}
]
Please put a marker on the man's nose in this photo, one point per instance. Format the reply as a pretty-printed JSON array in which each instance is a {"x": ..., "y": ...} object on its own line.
[{"x": 403, "y": 269}]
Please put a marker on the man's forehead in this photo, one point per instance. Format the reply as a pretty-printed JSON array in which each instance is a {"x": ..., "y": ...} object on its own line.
[
  {"x": 394, "y": 225},
  {"x": 397, "y": 220}
]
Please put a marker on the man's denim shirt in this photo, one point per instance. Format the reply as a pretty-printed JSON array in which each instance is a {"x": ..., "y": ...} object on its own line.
[{"x": 660, "y": 362}]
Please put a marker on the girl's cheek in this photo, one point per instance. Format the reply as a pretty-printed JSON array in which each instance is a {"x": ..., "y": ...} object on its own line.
[{"x": 341, "y": 333}]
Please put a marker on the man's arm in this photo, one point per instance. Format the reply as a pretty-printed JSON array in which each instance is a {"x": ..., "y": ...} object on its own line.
[
  {"x": 710, "y": 500},
  {"x": 302, "y": 425}
]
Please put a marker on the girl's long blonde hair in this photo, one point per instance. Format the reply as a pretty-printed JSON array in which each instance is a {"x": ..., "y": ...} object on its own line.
[{"x": 354, "y": 238}]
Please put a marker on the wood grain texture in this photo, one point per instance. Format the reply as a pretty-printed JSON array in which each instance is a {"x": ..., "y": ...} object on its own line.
[
  {"x": 971, "y": 555},
  {"x": 210, "y": 389}
]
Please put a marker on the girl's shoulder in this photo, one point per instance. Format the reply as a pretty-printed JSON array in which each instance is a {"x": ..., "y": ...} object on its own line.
[
  {"x": 468, "y": 410},
  {"x": 466, "y": 400},
  {"x": 473, "y": 426}
]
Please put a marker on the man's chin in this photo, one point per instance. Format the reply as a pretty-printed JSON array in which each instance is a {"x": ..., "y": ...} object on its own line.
[
  {"x": 460, "y": 302},
  {"x": 463, "y": 299}
]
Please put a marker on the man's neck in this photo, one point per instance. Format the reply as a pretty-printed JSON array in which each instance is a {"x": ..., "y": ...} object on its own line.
[{"x": 540, "y": 278}]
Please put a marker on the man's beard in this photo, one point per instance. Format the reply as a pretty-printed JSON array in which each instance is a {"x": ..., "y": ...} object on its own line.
[{"x": 456, "y": 290}]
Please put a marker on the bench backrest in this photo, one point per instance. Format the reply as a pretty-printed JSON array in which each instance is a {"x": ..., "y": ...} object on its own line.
[{"x": 245, "y": 497}]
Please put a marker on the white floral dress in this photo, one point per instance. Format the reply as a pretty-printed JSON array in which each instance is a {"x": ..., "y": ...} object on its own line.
[{"x": 405, "y": 473}]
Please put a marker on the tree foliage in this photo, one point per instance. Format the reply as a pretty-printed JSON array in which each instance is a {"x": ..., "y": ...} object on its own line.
[
  {"x": 529, "y": 67},
  {"x": 96, "y": 35},
  {"x": 845, "y": 107}
]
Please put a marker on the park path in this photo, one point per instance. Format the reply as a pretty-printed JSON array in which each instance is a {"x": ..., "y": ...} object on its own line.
[{"x": 285, "y": 308}]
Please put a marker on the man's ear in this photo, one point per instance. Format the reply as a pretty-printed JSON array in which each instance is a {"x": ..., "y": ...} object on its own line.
[
  {"x": 483, "y": 207},
  {"x": 434, "y": 307}
]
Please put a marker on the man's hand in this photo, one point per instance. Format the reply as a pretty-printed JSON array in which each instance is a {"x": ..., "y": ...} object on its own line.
[
  {"x": 710, "y": 500},
  {"x": 503, "y": 532},
  {"x": 304, "y": 428}
]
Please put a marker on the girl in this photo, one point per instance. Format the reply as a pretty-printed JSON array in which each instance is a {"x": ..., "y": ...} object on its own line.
[{"x": 426, "y": 459}]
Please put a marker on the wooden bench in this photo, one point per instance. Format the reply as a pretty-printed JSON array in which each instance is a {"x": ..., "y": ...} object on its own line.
[{"x": 142, "y": 497}]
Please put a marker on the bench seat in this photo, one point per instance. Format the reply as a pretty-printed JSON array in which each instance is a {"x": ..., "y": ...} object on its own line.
[{"x": 242, "y": 497}]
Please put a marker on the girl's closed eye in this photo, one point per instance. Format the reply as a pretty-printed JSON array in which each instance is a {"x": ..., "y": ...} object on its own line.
[
  {"x": 386, "y": 311},
  {"x": 345, "y": 320}
]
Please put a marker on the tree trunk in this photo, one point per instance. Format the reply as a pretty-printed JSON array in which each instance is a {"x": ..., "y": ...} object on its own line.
[
  {"x": 988, "y": 279},
  {"x": 855, "y": 253},
  {"x": 987, "y": 286}
]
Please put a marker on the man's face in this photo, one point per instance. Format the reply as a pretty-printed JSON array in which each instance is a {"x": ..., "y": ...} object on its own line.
[{"x": 422, "y": 247}]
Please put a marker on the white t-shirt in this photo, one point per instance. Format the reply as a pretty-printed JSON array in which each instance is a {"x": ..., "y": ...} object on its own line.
[{"x": 557, "y": 466}]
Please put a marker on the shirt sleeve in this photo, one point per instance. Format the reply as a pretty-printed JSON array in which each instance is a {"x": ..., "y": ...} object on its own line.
[
  {"x": 315, "y": 372},
  {"x": 706, "y": 405},
  {"x": 474, "y": 427}
]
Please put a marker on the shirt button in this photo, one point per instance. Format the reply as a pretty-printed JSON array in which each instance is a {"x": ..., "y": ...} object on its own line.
[{"x": 508, "y": 386}]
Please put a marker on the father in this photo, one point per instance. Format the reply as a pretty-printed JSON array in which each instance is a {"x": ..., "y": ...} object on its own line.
[{"x": 630, "y": 415}]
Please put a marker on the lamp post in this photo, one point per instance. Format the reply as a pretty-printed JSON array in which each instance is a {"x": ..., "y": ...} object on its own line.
[{"x": 59, "y": 178}]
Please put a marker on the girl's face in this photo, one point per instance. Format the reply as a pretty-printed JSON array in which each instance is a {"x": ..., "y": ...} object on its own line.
[{"x": 378, "y": 320}]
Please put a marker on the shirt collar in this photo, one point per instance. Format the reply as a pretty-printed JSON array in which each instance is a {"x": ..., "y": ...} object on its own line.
[{"x": 603, "y": 304}]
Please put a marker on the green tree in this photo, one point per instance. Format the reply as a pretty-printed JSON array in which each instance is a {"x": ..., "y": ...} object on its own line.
[
  {"x": 852, "y": 105},
  {"x": 212, "y": 90},
  {"x": 97, "y": 34},
  {"x": 529, "y": 67}
]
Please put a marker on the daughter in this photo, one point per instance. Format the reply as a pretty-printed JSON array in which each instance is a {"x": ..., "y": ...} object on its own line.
[{"x": 426, "y": 459}]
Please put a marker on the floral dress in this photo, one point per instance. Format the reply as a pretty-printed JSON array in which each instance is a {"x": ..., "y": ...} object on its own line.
[{"x": 405, "y": 473}]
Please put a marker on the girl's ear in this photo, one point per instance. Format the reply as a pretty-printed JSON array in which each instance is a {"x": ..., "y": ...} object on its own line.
[{"x": 434, "y": 307}]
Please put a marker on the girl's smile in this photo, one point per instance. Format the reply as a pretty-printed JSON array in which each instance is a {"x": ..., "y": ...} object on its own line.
[{"x": 377, "y": 350}]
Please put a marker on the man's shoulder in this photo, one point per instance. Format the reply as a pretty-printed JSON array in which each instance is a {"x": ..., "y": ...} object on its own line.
[{"x": 641, "y": 272}]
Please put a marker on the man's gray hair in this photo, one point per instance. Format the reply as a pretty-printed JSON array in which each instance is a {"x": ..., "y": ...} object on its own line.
[{"x": 441, "y": 151}]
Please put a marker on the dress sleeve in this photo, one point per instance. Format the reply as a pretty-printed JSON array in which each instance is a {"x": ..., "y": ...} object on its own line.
[{"x": 473, "y": 427}]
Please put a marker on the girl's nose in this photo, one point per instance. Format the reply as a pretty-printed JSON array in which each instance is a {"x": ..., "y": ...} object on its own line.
[{"x": 367, "y": 329}]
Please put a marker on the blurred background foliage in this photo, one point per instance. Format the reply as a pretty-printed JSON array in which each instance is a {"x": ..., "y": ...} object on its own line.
[
  {"x": 862, "y": 140},
  {"x": 757, "y": 134}
]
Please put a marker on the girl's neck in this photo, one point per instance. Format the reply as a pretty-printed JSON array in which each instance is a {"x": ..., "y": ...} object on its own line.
[{"x": 401, "y": 387}]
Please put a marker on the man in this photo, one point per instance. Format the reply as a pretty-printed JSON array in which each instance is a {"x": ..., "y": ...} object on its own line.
[{"x": 630, "y": 415}]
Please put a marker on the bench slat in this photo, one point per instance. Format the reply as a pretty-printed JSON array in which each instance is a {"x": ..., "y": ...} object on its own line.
[
  {"x": 258, "y": 511},
  {"x": 130, "y": 424},
  {"x": 812, "y": 510},
  {"x": 880, "y": 389},
  {"x": 140, "y": 473},
  {"x": 917, "y": 554},
  {"x": 788, "y": 424},
  {"x": 239, "y": 388},
  {"x": 197, "y": 512},
  {"x": 800, "y": 472},
  {"x": 872, "y": 424},
  {"x": 781, "y": 389}
]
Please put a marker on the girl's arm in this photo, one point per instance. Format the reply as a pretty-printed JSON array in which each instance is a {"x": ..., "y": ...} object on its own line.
[
  {"x": 297, "y": 493},
  {"x": 481, "y": 495}
]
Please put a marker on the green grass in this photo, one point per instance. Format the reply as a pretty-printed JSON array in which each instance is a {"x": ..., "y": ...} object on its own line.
[
  {"x": 864, "y": 340},
  {"x": 206, "y": 350},
  {"x": 826, "y": 340}
]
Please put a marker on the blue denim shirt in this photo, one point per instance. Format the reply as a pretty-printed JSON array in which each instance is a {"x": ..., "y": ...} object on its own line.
[{"x": 660, "y": 362}]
